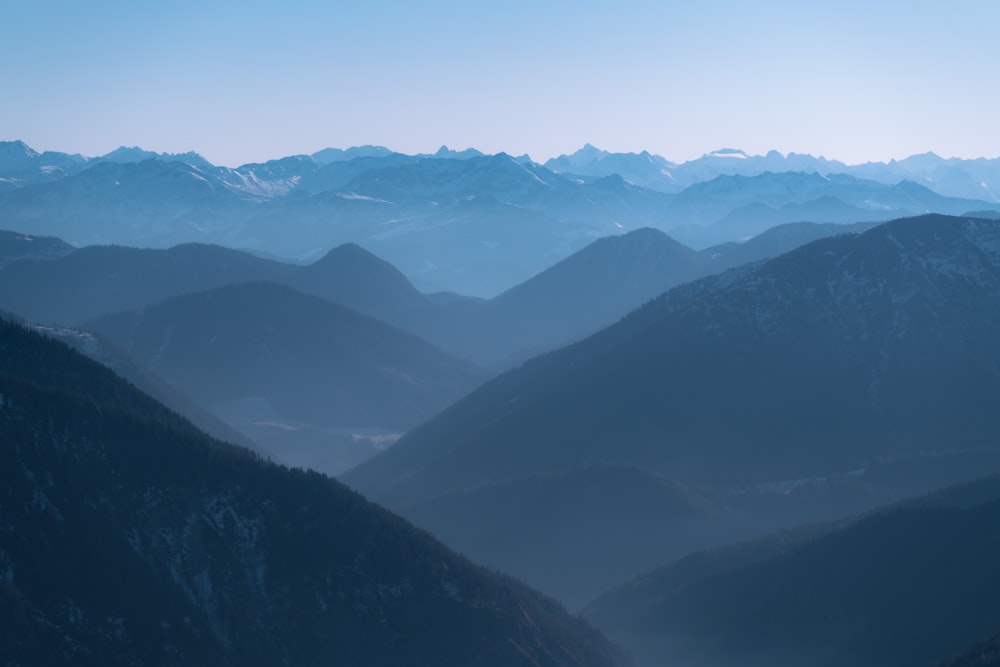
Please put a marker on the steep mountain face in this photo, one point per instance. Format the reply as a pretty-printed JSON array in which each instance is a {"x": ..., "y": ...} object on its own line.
[
  {"x": 131, "y": 538},
  {"x": 908, "y": 585},
  {"x": 870, "y": 355},
  {"x": 264, "y": 356}
]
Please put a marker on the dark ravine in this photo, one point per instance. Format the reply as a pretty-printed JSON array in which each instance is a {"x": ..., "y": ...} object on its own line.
[{"x": 127, "y": 536}]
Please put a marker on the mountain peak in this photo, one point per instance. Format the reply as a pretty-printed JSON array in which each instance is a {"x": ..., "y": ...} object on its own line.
[
  {"x": 353, "y": 276},
  {"x": 16, "y": 155},
  {"x": 17, "y": 147},
  {"x": 447, "y": 153}
]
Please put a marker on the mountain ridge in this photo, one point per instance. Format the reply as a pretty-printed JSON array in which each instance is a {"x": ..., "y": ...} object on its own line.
[{"x": 189, "y": 551}]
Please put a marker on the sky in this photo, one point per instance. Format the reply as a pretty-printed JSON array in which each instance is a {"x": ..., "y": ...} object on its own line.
[{"x": 250, "y": 81}]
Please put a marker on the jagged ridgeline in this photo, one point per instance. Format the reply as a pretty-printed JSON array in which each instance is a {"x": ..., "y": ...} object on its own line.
[{"x": 129, "y": 537}]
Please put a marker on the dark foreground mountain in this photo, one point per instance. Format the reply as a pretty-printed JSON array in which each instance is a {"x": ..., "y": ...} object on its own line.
[
  {"x": 122, "y": 364},
  {"x": 274, "y": 362},
  {"x": 131, "y": 538},
  {"x": 983, "y": 654},
  {"x": 909, "y": 585},
  {"x": 866, "y": 358}
]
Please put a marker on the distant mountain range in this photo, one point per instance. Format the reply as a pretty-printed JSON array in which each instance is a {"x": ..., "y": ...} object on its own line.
[
  {"x": 458, "y": 221},
  {"x": 129, "y": 537},
  {"x": 912, "y": 584},
  {"x": 867, "y": 358},
  {"x": 952, "y": 177}
]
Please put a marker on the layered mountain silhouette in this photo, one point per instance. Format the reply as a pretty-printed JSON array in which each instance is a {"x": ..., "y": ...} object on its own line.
[
  {"x": 912, "y": 584},
  {"x": 453, "y": 221},
  {"x": 482, "y": 222},
  {"x": 867, "y": 358},
  {"x": 843, "y": 326},
  {"x": 98, "y": 280},
  {"x": 88, "y": 282},
  {"x": 130, "y": 537},
  {"x": 272, "y": 360},
  {"x": 577, "y": 296}
]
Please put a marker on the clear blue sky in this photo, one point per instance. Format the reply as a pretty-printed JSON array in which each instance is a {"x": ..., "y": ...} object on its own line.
[{"x": 249, "y": 81}]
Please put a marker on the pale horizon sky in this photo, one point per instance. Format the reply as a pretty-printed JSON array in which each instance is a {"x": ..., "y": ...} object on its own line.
[{"x": 249, "y": 81}]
